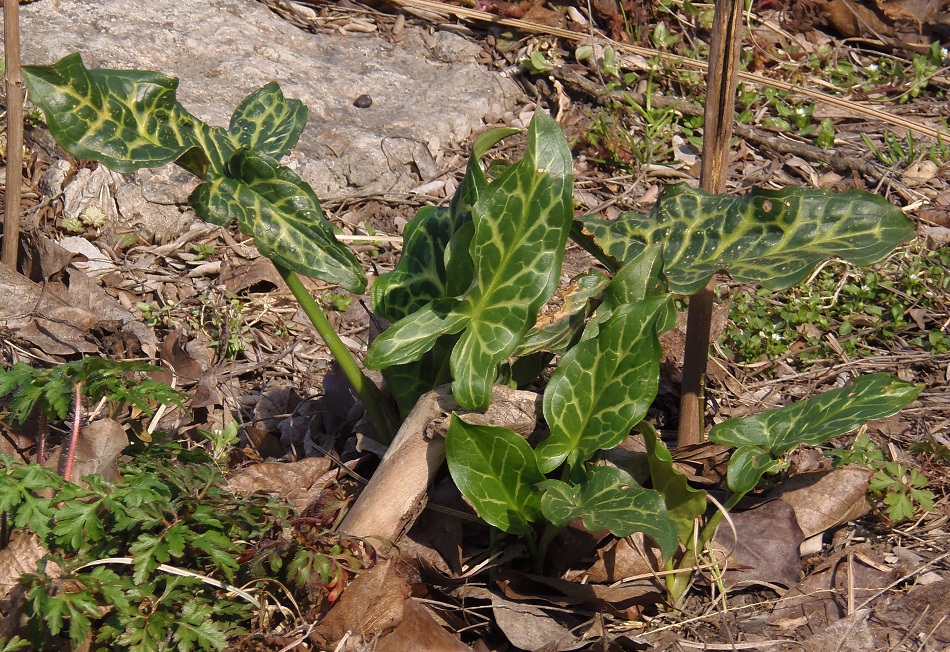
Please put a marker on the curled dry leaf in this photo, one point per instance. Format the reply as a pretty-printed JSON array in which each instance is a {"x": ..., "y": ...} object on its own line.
[
  {"x": 373, "y": 604},
  {"x": 827, "y": 499},
  {"x": 299, "y": 483}
]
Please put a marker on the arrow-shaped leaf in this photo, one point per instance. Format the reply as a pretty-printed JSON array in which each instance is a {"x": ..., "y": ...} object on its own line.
[
  {"x": 602, "y": 387},
  {"x": 495, "y": 468},
  {"x": 772, "y": 237},
  {"x": 522, "y": 221},
  {"x": 268, "y": 122},
  {"x": 609, "y": 499},
  {"x": 764, "y": 437},
  {"x": 127, "y": 119},
  {"x": 272, "y": 204}
]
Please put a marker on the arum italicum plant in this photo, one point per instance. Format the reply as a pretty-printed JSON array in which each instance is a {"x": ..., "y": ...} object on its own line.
[{"x": 465, "y": 296}]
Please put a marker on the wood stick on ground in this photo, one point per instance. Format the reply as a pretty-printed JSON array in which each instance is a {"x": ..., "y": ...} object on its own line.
[
  {"x": 717, "y": 133},
  {"x": 14, "y": 173},
  {"x": 395, "y": 495}
]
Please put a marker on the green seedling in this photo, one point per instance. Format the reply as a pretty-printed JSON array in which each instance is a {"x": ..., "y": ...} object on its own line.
[
  {"x": 220, "y": 440},
  {"x": 202, "y": 251}
]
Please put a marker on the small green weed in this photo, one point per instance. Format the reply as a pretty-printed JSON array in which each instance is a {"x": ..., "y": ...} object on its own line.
[
  {"x": 203, "y": 251},
  {"x": 901, "y": 490},
  {"x": 160, "y": 513},
  {"x": 222, "y": 319},
  {"x": 53, "y": 390},
  {"x": 150, "y": 562},
  {"x": 219, "y": 441},
  {"x": 864, "y": 308}
]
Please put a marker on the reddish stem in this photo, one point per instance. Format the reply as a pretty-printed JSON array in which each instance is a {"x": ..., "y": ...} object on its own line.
[{"x": 70, "y": 453}]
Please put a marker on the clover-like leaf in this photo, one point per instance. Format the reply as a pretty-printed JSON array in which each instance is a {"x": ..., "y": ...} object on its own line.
[
  {"x": 127, "y": 119},
  {"x": 496, "y": 470},
  {"x": 272, "y": 204},
  {"x": 763, "y": 437},
  {"x": 610, "y": 499},
  {"x": 683, "y": 503},
  {"x": 602, "y": 387},
  {"x": 772, "y": 237}
]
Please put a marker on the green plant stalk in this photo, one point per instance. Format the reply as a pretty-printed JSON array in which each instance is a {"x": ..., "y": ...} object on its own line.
[
  {"x": 384, "y": 419},
  {"x": 676, "y": 583}
]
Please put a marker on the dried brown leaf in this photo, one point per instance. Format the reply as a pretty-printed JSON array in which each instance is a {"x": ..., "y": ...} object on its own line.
[
  {"x": 764, "y": 546},
  {"x": 826, "y": 499}
]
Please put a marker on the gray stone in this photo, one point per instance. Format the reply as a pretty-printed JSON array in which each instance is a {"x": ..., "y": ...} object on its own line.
[{"x": 427, "y": 91}]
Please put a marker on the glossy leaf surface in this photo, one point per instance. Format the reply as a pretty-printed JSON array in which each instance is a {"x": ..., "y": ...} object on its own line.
[
  {"x": 268, "y": 122},
  {"x": 282, "y": 213},
  {"x": 770, "y": 237},
  {"x": 764, "y": 437},
  {"x": 521, "y": 224},
  {"x": 496, "y": 470},
  {"x": 609, "y": 499},
  {"x": 683, "y": 503},
  {"x": 554, "y": 331},
  {"x": 419, "y": 276},
  {"x": 127, "y": 119},
  {"x": 602, "y": 387}
]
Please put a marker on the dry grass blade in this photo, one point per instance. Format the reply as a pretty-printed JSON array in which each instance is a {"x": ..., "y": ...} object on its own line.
[{"x": 695, "y": 64}]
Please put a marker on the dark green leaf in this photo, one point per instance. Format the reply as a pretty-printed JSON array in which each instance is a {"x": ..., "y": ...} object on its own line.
[
  {"x": 555, "y": 331},
  {"x": 419, "y": 277},
  {"x": 268, "y": 122},
  {"x": 772, "y": 237},
  {"x": 602, "y": 387},
  {"x": 496, "y": 470},
  {"x": 609, "y": 499},
  {"x": 272, "y": 204},
  {"x": 128, "y": 119},
  {"x": 683, "y": 503},
  {"x": 522, "y": 220},
  {"x": 809, "y": 422}
]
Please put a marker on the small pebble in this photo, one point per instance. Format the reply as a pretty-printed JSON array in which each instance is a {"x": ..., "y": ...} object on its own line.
[{"x": 363, "y": 102}]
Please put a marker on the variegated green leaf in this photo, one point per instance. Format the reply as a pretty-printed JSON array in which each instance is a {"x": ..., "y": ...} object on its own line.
[
  {"x": 602, "y": 387},
  {"x": 419, "y": 277},
  {"x": 408, "y": 339},
  {"x": 683, "y": 503},
  {"x": 127, "y": 119},
  {"x": 283, "y": 214},
  {"x": 773, "y": 237},
  {"x": 639, "y": 279},
  {"x": 268, "y": 122},
  {"x": 609, "y": 499},
  {"x": 495, "y": 469},
  {"x": 554, "y": 332},
  {"x": 522, "y": 221},
  {"x": 768, "y": 435},
  {"x": 407, "y": 382}
]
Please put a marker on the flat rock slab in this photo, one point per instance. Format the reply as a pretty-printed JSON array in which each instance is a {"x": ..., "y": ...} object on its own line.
[{"x": 427, "y": 91}]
